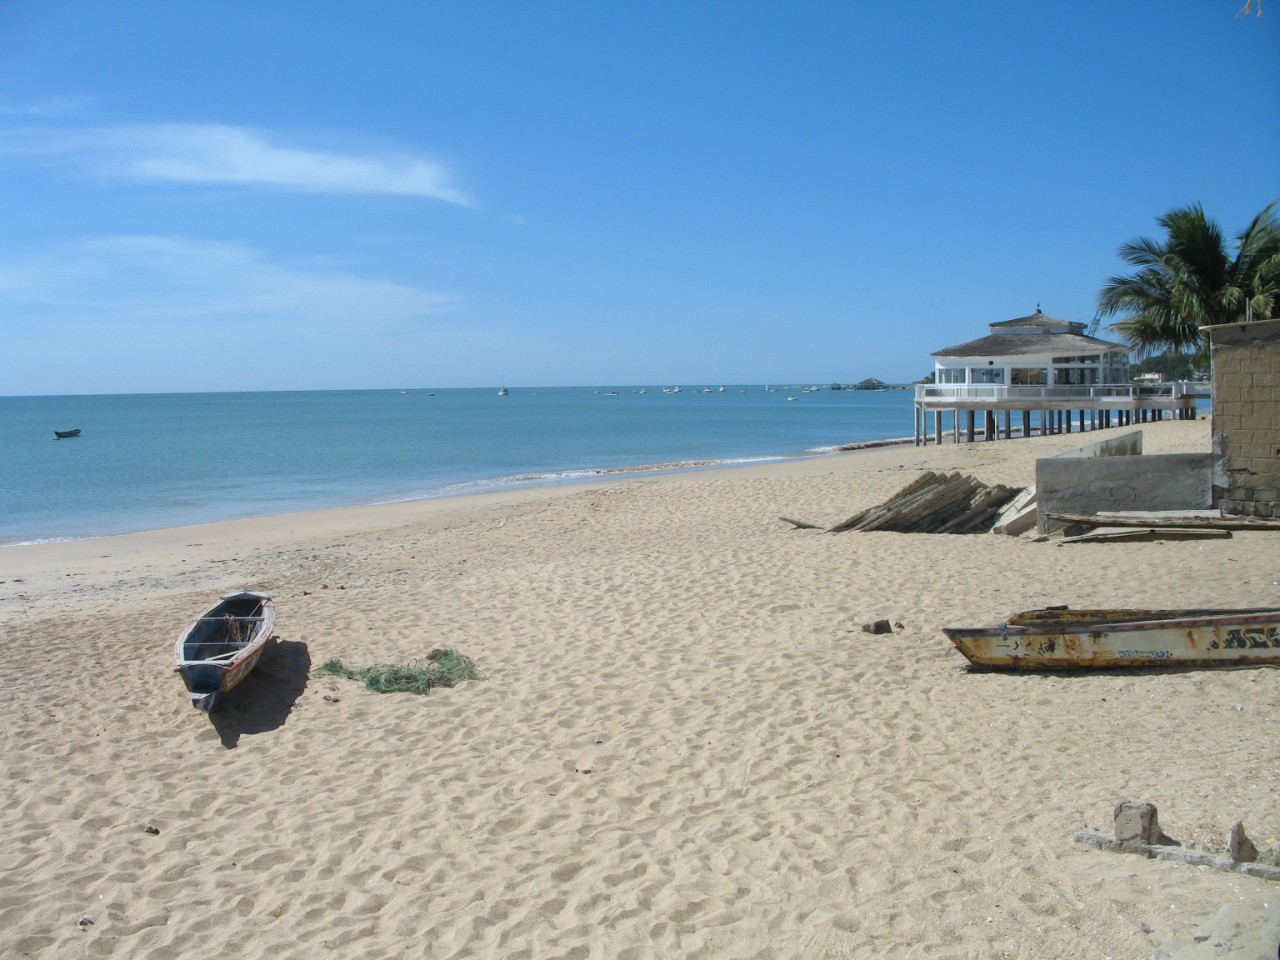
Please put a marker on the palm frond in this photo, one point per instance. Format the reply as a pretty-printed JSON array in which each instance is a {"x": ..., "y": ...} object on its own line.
[{"x": 1190, "y": 280}]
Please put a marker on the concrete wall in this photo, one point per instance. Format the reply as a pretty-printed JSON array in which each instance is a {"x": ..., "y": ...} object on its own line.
[
  {"x": 1125, "y": 445},
  {"x": 1112, "y": 474},
  {"x": 1246, "y": 418}
]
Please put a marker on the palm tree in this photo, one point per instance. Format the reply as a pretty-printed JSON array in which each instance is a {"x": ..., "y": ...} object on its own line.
[{"x": 1191, "y": 281}]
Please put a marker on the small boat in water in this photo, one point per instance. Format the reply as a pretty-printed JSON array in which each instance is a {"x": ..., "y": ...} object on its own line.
[
  {"x": 1057, "y": 638},
  {"x": 66, "y": 434},
  {"x": 503, "y": 392},
  {"x": 223, "y": 645}
]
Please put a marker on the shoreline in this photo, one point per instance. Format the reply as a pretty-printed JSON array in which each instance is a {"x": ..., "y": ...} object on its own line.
[
  {"x": 501, "y": 485},
  {"x": 385, "y": 449},
  {"x": 48, "y": 556},
  {"x": 111, "y": 554}
]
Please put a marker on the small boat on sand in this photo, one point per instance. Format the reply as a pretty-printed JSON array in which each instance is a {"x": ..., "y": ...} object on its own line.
[
  {"x": 223, "y": 645},
  {"x": 66, "y": 434},
  {"x": 1057, "y": 638}
]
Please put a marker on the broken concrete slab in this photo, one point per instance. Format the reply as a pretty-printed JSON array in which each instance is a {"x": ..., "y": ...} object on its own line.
[{"x": 1137, "y": 823}]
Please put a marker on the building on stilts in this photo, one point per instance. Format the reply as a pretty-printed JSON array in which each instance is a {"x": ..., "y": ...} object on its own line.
[{"x": 1037, "y": 374}]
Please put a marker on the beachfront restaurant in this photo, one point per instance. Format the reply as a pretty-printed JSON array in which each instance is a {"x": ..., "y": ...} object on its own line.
[{"x": 1042, "y": 372}]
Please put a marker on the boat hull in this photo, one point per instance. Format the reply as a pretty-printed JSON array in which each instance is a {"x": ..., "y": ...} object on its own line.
[
  {"x": 1059, "y": 639},
  {"x": 221, "y": 647}
]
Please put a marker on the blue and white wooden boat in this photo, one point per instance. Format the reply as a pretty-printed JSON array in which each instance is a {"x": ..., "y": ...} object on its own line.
[
  {"x": 1057, "y": 638},
  {"x": 222, "y": 646}
]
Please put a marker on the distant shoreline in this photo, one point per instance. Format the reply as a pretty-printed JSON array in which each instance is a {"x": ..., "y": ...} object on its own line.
[
  {"x": 519, "y": 483},
  {"x": 150, "y": 462}
]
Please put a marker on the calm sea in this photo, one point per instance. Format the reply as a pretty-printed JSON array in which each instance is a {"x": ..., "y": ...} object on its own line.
[{"x": 161, "y": 460}]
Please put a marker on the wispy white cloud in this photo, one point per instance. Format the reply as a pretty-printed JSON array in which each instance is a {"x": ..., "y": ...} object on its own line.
[
  {"x": 136, "y": 281},
  {"x": 123, "y": 314},
  {"x": 218, "y": 154},
  {"x": 49, "y": 107}
]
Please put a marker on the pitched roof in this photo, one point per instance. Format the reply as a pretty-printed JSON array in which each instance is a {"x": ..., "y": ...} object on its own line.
[
  {"x": 1040, "y": 320},
  {"x": 1037, "y": 334},
  {"x": 1022, "y": 344}
]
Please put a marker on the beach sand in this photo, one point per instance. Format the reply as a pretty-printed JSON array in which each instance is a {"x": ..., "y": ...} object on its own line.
[{"x": 684, "y": 744}]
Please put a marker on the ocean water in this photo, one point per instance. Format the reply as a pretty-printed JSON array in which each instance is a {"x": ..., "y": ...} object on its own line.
[{"x": 152, "y": 461}]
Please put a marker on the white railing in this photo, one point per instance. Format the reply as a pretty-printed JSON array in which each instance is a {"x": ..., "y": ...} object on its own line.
[{"x": 1096, "y": 393}]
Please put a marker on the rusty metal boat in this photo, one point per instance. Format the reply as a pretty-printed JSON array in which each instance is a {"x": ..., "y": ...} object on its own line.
[{"x": 1058, "y": 638}]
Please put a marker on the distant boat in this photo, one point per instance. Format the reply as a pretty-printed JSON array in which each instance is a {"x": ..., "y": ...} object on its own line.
[
  {"x": 222, "y": 646},
  {"x": 792, "y": 397},
  {"x": 503, "y": 392},
  {"x": 66, "y": 434},
  {"x": 1060, "y": 638}
]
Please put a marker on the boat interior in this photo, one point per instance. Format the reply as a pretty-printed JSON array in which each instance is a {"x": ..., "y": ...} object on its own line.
[{"x": 220, "y": 638}]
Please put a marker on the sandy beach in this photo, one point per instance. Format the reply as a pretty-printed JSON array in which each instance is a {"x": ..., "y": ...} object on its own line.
[{"x": 684, "y": 744}]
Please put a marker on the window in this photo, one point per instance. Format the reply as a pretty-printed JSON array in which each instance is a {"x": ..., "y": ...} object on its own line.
[
  {"x": 1075, "y": 376},
  {"x": 986, "y": 375},
  {"x": 1117, "y": 375},
  {"x": 950, "y": 375},
  {"x": 1029, "y": 376}
]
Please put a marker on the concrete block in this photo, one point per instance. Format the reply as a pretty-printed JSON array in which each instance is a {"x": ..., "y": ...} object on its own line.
[
  {"x": 1137, "y": 821},
  {"x": 1175, "y": 481},
  {"x": 1243, "y": 467},
  {"x": 1229, "y": 385},
  {"x": 1239, "y": 847}
]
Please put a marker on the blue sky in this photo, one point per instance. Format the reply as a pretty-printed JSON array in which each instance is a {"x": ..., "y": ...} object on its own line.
[{"x": 305, "y": 194}]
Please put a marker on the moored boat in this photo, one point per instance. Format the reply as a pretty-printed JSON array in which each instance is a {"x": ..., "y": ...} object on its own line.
[
  {"x": 1057, "y": 638},
  {"x": 66, "y": 434},
  {"x": 220, "y": 648}
]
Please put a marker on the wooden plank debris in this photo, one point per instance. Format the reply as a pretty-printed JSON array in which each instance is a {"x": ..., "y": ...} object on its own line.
[
  {"x": 935, "y": 503},
  {"x": 1148, "y": 520},
  {"x": 1112, "y": 534},
  {"x": 800, "y": 524},
  {"x": 1019, "y": 515}
]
